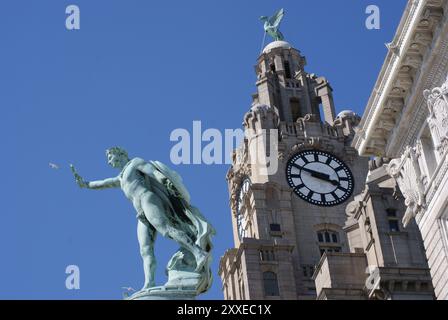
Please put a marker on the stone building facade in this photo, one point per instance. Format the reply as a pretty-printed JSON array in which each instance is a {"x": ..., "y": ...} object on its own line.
[
  {"x": 311, "y": 217},
  {"x": 279, "y": 237},
  {"x": 406, "y": 120},
  {"x": 284, "y": 222},
  {"x": 386, "y": 261}
]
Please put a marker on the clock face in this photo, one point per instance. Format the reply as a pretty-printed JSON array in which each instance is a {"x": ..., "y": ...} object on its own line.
[
  {"x": 241, "y": 217},
  {"x": 319, "y": 178}
]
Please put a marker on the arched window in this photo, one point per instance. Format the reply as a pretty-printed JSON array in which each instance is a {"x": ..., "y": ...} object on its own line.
[
  {"x": 328, "y": 241},
  {"x": 270, "y": 284}
]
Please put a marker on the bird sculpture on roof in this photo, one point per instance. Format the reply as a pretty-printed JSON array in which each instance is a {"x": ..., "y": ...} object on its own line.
[{"x": 271, "y": 25}]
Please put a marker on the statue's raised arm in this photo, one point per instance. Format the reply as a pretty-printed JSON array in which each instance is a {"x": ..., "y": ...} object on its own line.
[
  {"x": 272, "y": 24},
  {"x": 101, "y": 184},
  {"x": 79, "y": 180}
]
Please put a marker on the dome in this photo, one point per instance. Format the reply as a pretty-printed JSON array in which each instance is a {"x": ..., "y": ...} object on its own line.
[
  {"x": 346, "y": 113},
  {"x": 275, "y": 45}
]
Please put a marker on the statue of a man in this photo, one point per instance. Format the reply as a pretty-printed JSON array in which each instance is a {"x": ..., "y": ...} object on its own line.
[{"x": 163, "y": 205}]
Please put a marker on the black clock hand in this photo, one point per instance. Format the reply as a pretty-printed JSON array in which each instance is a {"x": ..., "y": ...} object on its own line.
[
  {"x": 317, "y": 174},
  {"x": 321, "y": 176},
  {"x": 334, "y": 182}
]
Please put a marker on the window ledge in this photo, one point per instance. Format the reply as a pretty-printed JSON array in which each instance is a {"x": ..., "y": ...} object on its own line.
[
  {"x": 276, "y": 233},
  {"x": 397, "y": 233}
]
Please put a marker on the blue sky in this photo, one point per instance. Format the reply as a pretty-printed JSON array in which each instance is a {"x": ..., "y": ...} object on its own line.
[{"x": 134, "y": 72}]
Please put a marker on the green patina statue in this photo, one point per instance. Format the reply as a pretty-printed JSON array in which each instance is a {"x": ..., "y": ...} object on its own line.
[
  {"x": 272, "y": 24},
  {"x": 163, "y": 206}
]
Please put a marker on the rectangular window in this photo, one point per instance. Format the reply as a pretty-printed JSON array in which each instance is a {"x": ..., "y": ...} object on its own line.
[
  {"x": 311, "y": 271},
  {"x": 329, "y": 250},
  {"x": 394, "y": 226},
  {"x": 334, "y": 238},
  {"x": 270, "y": 284},
  {"x": 275, "y": 227},
  {"x": 391, "y": 213},
  {"x": 287, "y": 70},
  {"x": 267, "y": 255},
  {"x": 305, "y": 272},
  {"x": 320, "y": 237},
  {"x": 296, "y": 109},
  {"x": 308, "y": 271}
]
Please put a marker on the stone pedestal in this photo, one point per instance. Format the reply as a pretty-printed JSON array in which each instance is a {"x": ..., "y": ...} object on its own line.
[
  {"x": 181, "y": 285},
  {"x": 164, "y": 293}
]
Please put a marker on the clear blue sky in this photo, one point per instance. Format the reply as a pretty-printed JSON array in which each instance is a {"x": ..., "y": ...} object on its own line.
[{"x": 134, "y": 72}]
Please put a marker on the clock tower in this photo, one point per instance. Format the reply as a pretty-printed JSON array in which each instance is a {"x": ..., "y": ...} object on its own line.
[{"x": 285, "y": 219}]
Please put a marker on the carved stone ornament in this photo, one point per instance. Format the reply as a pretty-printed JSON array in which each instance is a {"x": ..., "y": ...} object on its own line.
[
  {"x": 437, "y": 99},
  {"x": 235, "y": 177},
  {"x": 407, "y": 174},
  {"x": 312, "y": 143},
  {"x": 352, "y": 208},
  {"x": 261, "y": 112}
]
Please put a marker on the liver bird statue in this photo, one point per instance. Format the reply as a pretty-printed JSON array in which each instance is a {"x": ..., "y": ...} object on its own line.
[{"x": 272, "y": 24}]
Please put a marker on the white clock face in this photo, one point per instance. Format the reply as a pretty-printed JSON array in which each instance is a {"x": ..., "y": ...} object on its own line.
[
  {"x": 320, "y": 178},
  {"x": 241, "y": 217}
]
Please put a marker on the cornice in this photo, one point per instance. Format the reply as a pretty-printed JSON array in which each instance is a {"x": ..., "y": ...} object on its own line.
[
  {"x": 399, "y": 76},
  {"x": 418, "y": 109}
]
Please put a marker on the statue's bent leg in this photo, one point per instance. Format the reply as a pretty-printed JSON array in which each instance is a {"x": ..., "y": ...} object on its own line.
[
  {"x": 146, "y": 236},
  {"x": 185, "y": 241},
  {"x": 155, "y": 213}
]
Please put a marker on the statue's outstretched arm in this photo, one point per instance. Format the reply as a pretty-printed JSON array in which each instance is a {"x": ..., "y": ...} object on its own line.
[{"x": 101, "y": 184}]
